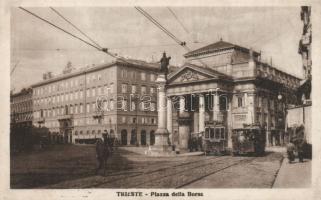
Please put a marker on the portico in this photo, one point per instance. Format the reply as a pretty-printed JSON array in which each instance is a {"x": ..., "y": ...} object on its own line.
[{"x": 195, "y": 96}]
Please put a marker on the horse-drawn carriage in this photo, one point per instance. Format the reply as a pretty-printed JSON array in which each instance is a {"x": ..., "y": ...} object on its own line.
[{"x": 249, "y": 140}]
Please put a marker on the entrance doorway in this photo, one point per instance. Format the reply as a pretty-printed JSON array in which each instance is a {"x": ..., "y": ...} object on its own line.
[
  {"x": 133, "y": 137},
  {"x": 152, "y": 137},
  {"x": 143, "y": 137},
  {"x": 123, "y": 137}
]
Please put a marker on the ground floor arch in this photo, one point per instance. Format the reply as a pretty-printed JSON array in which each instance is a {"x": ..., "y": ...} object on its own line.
[
  {"x": 143, "y": 137},
  {"x": 152, "y": 137},
  {"x": 123, "y": 137}
]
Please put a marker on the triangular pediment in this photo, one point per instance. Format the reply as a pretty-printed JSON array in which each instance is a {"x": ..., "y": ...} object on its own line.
[{"x": 190, "y": 74}]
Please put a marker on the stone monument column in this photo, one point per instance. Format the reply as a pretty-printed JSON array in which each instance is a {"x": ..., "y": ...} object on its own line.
[{"x": 161, "y": 146}]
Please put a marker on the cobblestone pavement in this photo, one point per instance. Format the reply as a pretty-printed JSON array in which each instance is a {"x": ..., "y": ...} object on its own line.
[{"x": 73, "y": 167}]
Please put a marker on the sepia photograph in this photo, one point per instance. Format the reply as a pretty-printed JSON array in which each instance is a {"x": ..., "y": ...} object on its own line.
[{"x": 167, "y": 97}]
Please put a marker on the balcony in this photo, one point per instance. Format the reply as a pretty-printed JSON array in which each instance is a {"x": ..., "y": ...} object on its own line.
[
  {"x": 40, "y": 120},
  {"x": 65, "y": 117}
]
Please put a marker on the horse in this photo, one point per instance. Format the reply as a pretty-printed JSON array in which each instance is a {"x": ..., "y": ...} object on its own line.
[{"x": 103, "y": 151}]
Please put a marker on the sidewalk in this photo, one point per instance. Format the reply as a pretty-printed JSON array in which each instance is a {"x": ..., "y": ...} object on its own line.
[{"x": 294, "y": 175}]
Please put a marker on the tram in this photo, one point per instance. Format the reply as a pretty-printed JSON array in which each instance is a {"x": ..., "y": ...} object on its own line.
[
  {"x": 214, "y": 139},
  {"x": 249, "y": 140}
]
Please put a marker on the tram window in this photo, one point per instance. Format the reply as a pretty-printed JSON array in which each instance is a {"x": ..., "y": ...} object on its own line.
[
  {"x": 222, "y": 133},
  {"x": 207, "y": 133},
  {"x": 212, "y": 133}
]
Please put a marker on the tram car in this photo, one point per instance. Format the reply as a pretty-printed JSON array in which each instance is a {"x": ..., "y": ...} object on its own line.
[
  {"x": 249, "y": 140},
  {"x": 214, "y": 139}
]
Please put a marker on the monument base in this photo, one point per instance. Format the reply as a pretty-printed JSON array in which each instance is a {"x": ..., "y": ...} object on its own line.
[{"x": 161, "y": 146}]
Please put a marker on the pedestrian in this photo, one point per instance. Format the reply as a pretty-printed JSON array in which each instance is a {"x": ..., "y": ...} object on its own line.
[
  {"x": 102, "y": 153},
  {"x": 290, "y": 151},
  {"x": 300, "y": 149}
]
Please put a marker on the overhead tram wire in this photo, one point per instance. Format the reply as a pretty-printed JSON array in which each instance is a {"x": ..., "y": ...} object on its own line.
[
  {"x": 105, "y": 50},
  {"x": 154, "y": 21},
  {"x": 177, "y": 19},
  {"x": 69, "y": 22}
]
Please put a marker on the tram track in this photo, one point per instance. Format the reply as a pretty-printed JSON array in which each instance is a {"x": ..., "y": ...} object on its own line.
[
  {"x": 190, "y": 175},
  {"x": 153, "y": 175}
]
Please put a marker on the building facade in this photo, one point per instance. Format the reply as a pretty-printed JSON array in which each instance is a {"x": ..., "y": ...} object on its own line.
[
  {"x": 21, "y": 109},
  {"x": 79, "y": 105},
  {"x": 230, "y": 85},
  {"x": 304, "y": 91}
]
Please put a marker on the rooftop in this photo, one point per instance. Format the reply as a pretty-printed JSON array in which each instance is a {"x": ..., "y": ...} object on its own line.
[
  {"x": 217, "y": 46},
  {"x": 140, "y": 64}
]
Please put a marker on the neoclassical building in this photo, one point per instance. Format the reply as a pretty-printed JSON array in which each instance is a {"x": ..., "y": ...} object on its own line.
[
  {"x": 79, "y": 105},
  {"x": 227, "y": 84}
]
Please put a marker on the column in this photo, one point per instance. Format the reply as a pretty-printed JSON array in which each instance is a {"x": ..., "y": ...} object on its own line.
[
  {"x": 229, "y": 123},
  {"x": 161, "y": 147},
  {"x": 216, "y": 107},
  {"x": 201, "y": 113},
  {"x": 183, "y": 125},
  {"x": 170, "y": 119},
  {"x": 250, "y": 110},
  {"x": 196, "y": 122},
  {"x": 181, "y": 105}
]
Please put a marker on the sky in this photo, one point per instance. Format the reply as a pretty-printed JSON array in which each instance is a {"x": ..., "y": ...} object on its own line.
[{"x": 37, "y": 47}]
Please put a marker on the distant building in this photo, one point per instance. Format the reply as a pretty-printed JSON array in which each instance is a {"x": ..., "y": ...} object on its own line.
[
  {"x": 79, "y": 105},
  {"x": 21, "y": 109},
  {"x": 304, "y": 91},
  {"x": 227, "y": 84},
  {"x": 300, "y": 115}
]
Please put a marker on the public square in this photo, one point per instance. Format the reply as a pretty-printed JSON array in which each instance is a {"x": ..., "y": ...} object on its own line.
[{"x": 73, "y": 166}]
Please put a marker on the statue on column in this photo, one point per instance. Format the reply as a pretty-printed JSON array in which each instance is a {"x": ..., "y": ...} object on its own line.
[{"x": 164, "y": 64}]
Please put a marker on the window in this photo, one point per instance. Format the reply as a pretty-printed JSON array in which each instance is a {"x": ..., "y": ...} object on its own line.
[
  {"x": 133, "y": 75},
  {"x": 76, "y": 109},
  {"x": 81, "y": 94},
  {"x": 112, "y": 88},
  {"x": 99, "y": 90},
  {"x": 123, "y": 88},
  {"x": 71, "y": 83},
  {"x": 133, "y": 106},
  {"x": 134, "y": 89},
  {"x": 239, "y": 101},
  {"x": 152, "y": 77},
  {"x": 152, "y": 106},
  {"x": 71, "y": 109},
  {"x": 123, "y": 73},
  {"x": 93, "y": 107},
  {"x": 99, "y": 77},
  {"x": 124, "y": 105},
  {"x": 152, "y": 90},
  {"x": 143, "y": 89},
  {"x": 88, "y": 108},
  {"x": 81, "y": 108},
  {"x": 123, "y": 119},
  {"x": 88, "y": 93},
  {"x": 71, "y": 96},
  {"x": 111, "y": 105},
  {"x": 143, "y": 76},
  {"x": 93, "y": 91},
  {"x": 134, "y": 120}
]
